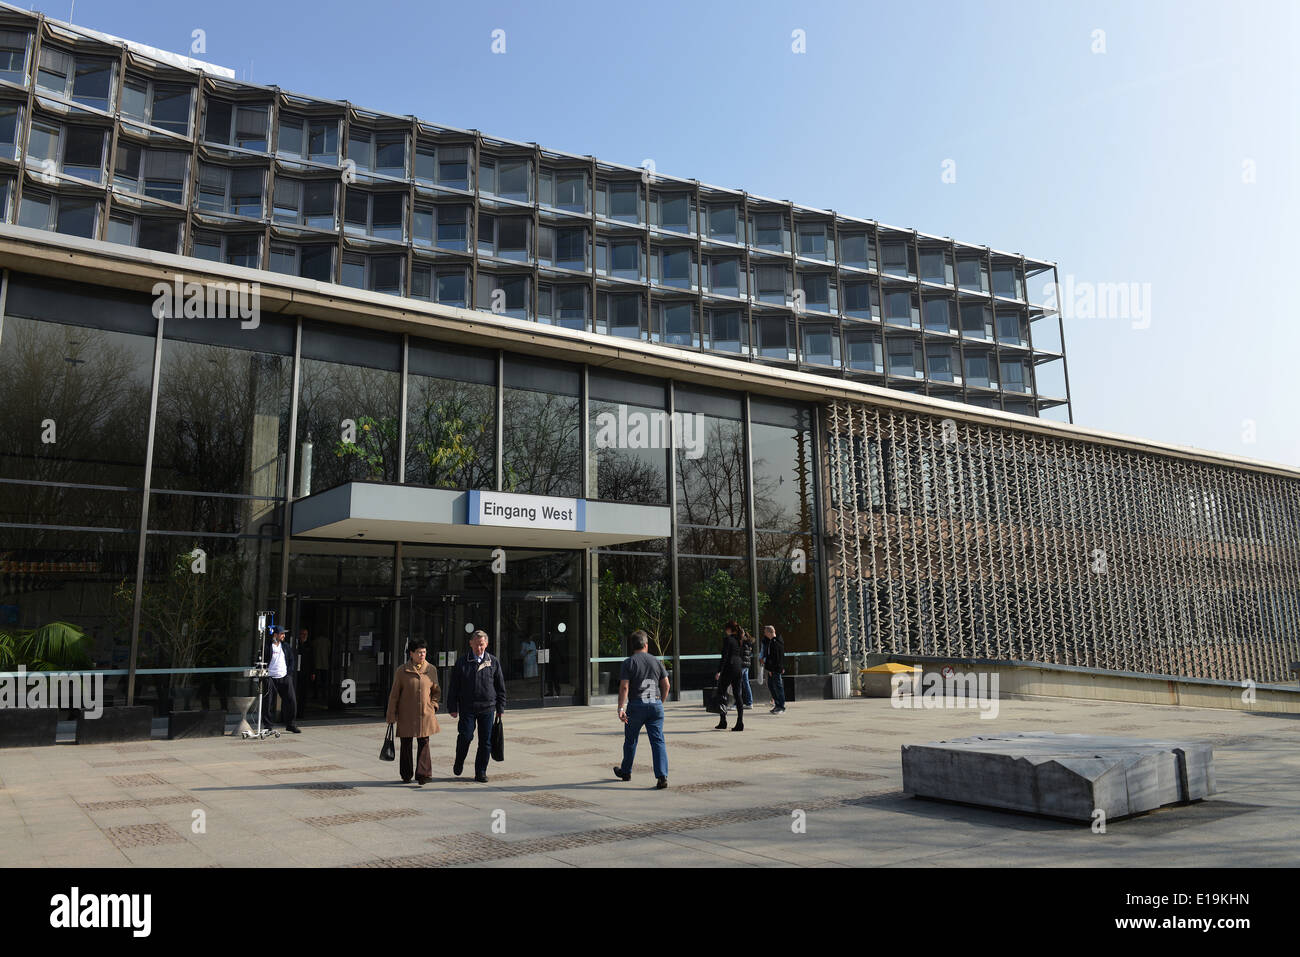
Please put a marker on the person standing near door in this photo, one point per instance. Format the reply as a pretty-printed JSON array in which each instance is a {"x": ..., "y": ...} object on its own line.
[
  {"x": 413, "y": 707},
  {"x": 476, "y": 695},
  {"x": 774, "y": 662},
  {"x": 280, "y": 661},
  {"x": 728, "y": 676},
  {"x": 320, "y": 662},
  {"x": 642, "y": 688}
]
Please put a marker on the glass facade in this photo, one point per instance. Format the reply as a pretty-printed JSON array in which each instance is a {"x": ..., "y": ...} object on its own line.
[{"x": 393, "y": 205}]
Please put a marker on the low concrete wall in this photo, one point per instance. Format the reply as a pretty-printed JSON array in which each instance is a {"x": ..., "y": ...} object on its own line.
[{"x": 1037, "y": 680}]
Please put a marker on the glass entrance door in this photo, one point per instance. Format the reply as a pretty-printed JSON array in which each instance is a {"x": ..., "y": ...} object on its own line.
[
  {"x": 346, "y": 645},
  {"x": 445, "y": 623},
  {"x": 541, "y": 629}
]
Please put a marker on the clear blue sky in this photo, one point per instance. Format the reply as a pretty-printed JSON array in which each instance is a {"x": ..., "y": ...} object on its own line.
[{"x": 1124, "y": 166}]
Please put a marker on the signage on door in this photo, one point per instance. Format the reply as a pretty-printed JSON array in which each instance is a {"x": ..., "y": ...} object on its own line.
[{"x": 511, "y": 510}]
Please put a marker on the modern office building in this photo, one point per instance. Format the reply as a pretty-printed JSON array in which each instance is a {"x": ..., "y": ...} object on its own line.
[{"x": 388, "y": 379}]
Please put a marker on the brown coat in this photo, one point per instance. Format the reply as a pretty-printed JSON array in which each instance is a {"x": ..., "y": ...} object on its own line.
[{"x": 413, "y": 702}]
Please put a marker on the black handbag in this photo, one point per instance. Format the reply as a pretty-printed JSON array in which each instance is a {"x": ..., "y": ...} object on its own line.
[
  {"x": 498, "y": 741},
  {"x": 388, "y": 752}
]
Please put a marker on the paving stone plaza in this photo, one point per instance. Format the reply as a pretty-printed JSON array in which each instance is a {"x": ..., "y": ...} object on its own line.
[{"x": 324, "y": 799}]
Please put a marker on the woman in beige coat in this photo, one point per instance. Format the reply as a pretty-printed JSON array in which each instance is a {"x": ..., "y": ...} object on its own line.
[{"x": 413, "y": 707}]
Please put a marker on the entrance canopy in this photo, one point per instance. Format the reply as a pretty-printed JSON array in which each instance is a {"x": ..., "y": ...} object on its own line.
[{"x": 375, "y": 511}]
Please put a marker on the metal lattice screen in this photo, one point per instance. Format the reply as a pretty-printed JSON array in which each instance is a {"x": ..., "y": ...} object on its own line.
[{"x": 963, "y": 540}]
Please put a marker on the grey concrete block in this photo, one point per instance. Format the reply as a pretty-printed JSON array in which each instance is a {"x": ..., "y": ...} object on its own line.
[{"x": 1066, "y": 776}]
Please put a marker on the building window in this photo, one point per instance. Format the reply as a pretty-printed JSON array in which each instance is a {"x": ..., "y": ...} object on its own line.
[
  {"x": 75, "y": 151},
  {"x": 865, "y": 353},
  {"x": 940, "y": 314},
  {"x": 774, "y": 337},
  {"x": 563, "y": 305},
  {"x": 306, "y": 203},
  {"x": 236, "y": 192},
  {"x": 1007, "y": 281},
  {"x": 862, "y": 300},
  {"x": 621, "y": 258},
  {"x": 162, "y": 235},
  {"x": 940, "y": 363},
  {"x": 769, "y": 231},
  {"x": 978, "y": 367},
  {"x": 725, "y": 276},
  {"x": 821, "y": 346},
  {"x": 308, "y": 138},
  {"x": 13, "y": 56},
  {"x": 814, "y": 241},
  {"x": 563, "y": 247},
  {"x": 676, "y": 324},
  {"x": 727, "y": 331},
  {"x": 936, "y": 266},
  {"x": 772, "y": 284},
  {"x": 240, "y": 125},
  {"x": 453, "y": 167},
  {"x": 898, "y": 258},
  {"x": 161, "y": 174},
  {"x": 972, "y": 273},
  {"x": 310, "y": 262},
  {"x": 620, "y": 314},
  {"x": 382, "y": 152},
  {"x": 819, "y": 292},
  {"x": 723, "y": 221},
  {"x": 83, "y": 79},
  {"x": 564, "y": 189},
  {"x": 673, "y": 211},
  {"x": 503, "y": 295},
  {"x": 71, "y": 215},
  {"x": 857, "y": 250},
  {"x": 239, "y": 249},
  {"x": 449, "y": 287},
  {"x": 673, "y": 267},
  {"x": 1015, "y": 375},
  {"x": 375, "y": 214},
  {"x": 905, "y": 358},
  {"x": 11, "y": 121},
  {"x": 621, "y": 201},
  {"x": 1011, "y": 328},
  {"x": 507, "y": 178},
  {"x": 902, "y": 308},
  {"x": 505, "y": 237},
  {"x": 976, "y": 321},
  {"x": 162, "y": 105},
  {"x": 376, "y": 273}
]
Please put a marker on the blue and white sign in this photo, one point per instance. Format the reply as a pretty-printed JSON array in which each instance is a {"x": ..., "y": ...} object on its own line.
[{"x": 511, "y": 510}]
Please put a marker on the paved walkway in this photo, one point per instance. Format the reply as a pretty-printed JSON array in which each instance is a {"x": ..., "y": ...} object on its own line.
[{"x": 323, "y": 798}]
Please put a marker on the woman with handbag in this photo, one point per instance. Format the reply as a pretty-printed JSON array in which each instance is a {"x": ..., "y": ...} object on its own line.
[{"x": 413, "y": 707}]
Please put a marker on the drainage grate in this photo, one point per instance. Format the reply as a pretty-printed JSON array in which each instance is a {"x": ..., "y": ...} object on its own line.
[
  {"x": 326, "y": 789},
  {"x": 508, "y": 776},
  {"x": 706, "y": 786},
  {"x": 844, "y": 775},
  {"x": 568, "y": 754},
  {"x": 547, "y": 799},
  {"x": 131, "y": 764},
  {"x": 143, "y": 835},
  {"x": 131, "y": 748},
  {"x": 305, "y": 770},
  {"x": 280, "y": 755},
  {"x": 333, "y": 820},
  {"x": 674, "y": 743},
  {"x": 135, "y": 780},
  {"x": 138, "y": 803},
  {"x": 530, "y": 741},
  {"x": 792, "y": 737},
  {"x": 755, "y": 757}
]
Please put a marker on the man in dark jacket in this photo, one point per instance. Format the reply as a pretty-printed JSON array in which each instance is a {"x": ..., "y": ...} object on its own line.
[
  {"x": 728, "y": 676},
  {"x": 476, "y": 695},
  {"x": 774, "y": 662}
]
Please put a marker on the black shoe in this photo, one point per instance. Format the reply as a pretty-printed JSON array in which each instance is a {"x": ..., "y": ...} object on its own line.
[
  {"x": 618, "y": 773},
  {"x": 457, "y": 768},
  {"x": 481, "y": 778},
  {"x": 661, "y": 784},
  {"x": 295, "y": 730},
  {"x": 739, "y": 727},
  {"x": 721, "y": 725},
  {"x": 406, "y": 780}
]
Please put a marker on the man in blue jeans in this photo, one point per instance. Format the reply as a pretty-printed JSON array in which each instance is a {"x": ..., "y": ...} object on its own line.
[{"x": 642, "y": 688}]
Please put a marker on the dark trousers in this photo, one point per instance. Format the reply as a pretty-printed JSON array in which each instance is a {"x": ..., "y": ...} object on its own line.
[
  {"x": 469, "y": 721},
  {"x": 288, "y": 700},
  {"x": 776, "y": 685},
  {"x": 734, "y": 683},
  {"x": 423, "y": 762}
]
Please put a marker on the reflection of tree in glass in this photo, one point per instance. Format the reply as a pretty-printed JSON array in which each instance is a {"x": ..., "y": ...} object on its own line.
[
  {"x": 451, "y": 438},
  {"x": 713, "y": 601},
  {"x": 331, "y": 393},
  {"x": 633, "y": 594},
  {"x": 772, "y": 499},
  {"x": 711, "y": 488},
  {"x": 543, "y": 449}
]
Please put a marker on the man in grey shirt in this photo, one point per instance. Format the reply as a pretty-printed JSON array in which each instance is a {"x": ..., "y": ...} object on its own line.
[{"x": 643, "y": 686}]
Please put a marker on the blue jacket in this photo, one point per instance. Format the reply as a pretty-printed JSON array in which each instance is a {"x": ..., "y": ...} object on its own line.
[{"x": 474, "y": 689}]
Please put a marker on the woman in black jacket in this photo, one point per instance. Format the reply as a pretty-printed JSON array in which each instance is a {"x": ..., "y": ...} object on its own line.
[{"x": 728, "y": 676}]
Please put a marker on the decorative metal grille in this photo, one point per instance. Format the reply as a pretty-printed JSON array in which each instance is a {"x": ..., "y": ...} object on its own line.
[{"x": 956, "y": 539}]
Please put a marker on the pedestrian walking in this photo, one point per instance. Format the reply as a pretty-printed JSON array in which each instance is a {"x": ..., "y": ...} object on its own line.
[
  {"x": 642, "y": 689},
  {"x": 746, "y": 662},
  {"x": 280, "y": 660},
  {"x": 413, "y": 707},
  {"x": 728, "y": 676},
  {"x": 774, "y": 662},
  {"x": 476, "y": 696}
]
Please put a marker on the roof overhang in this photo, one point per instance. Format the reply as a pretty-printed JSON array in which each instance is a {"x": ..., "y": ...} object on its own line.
[{"x": 377, "y": 511}]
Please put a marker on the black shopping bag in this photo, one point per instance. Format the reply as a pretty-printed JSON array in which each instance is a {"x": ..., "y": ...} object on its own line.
[
  {"x": 388, "y": 752},
  {"x": 498, "y": 741}
]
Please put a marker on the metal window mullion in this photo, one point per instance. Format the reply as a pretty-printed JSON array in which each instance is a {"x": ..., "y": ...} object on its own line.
[
  {"x": 37, "y": 34},
  {"x": 290, "y": 494},
  {"x": 672, "y": 538},
  {"x": 401, "y": 412},
  {"x": 144, "y": 514}
]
